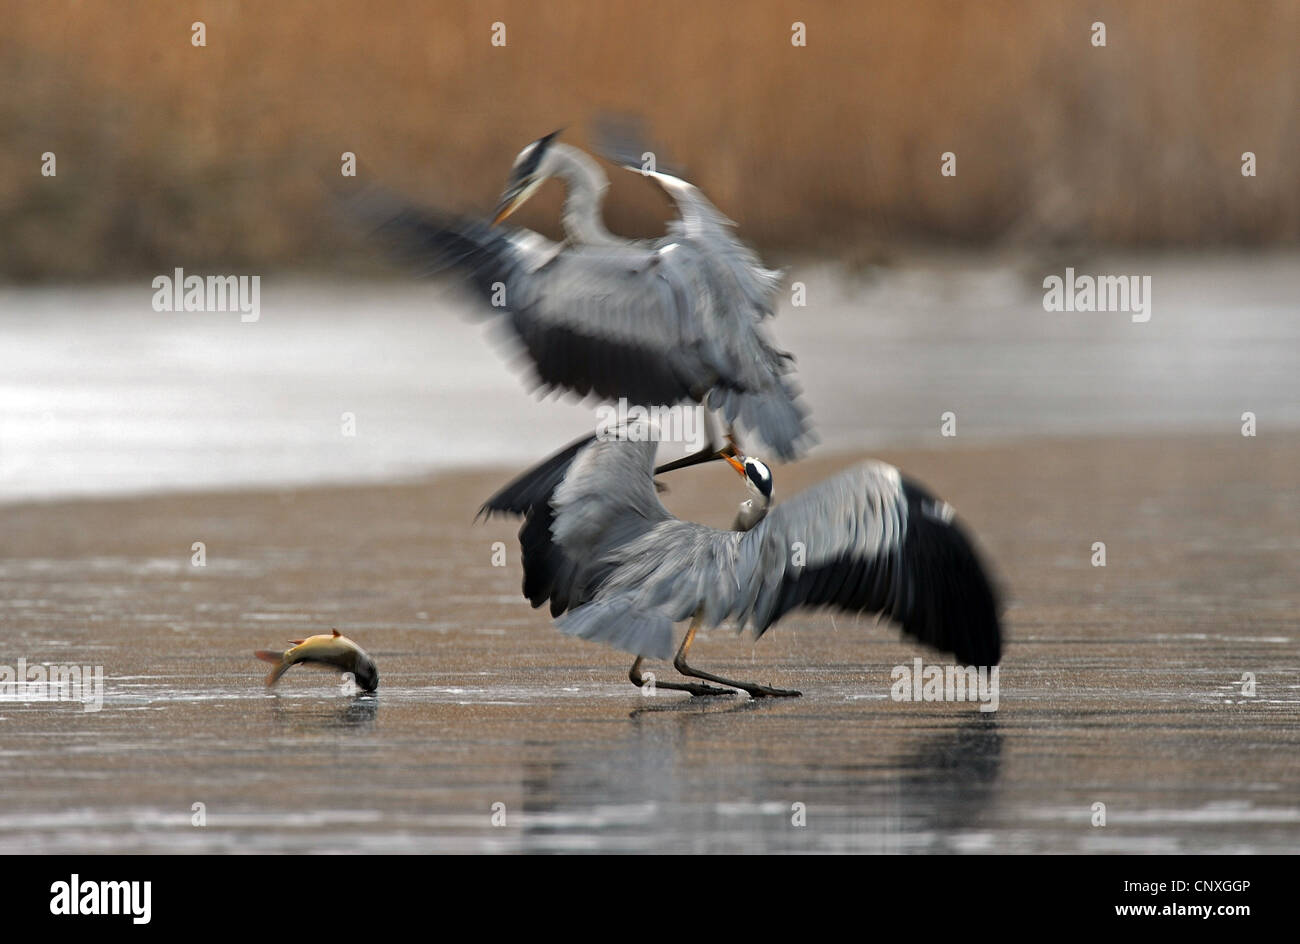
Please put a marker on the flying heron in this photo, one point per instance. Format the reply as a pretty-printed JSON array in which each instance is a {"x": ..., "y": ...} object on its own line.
[
  {"x": 655, "y": 322},
  {"x": 618, "y": 567}
]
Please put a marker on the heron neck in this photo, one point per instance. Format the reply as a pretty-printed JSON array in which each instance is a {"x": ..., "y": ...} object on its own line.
[
  {"x": 752, "y": 511},
  {"x": 585, "y": 185}
]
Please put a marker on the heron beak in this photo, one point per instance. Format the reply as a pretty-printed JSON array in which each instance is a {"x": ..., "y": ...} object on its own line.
[
  {"x": 726, "y": 452},
  {"x": 507, "y": 206},
  {"x": 516, "y": 195}
]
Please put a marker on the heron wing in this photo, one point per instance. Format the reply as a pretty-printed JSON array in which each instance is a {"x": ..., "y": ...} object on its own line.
[
  {"x": 634, "y": 581},
  {"x": 433, "y": 242},
  {"x": 657, "y": 323},
  {"x": 762, "y": 395},
  {"x": 628, "y": 321},
  {"x": 864, "y": 540},
  {"x": 622, "y": 140},
  {"x": 701, "y": 220},
  {"x": 870, "y": 540},
  {"x": 589, "y": 498},
  {"x": 631, "y": 321}
]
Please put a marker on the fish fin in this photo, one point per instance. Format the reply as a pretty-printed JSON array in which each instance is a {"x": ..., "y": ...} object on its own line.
[
  {"x": 296, "y": 642},
  {"x": 275, "y": 674},
  {"x": 337, "y": 634},
  {"x": 267, "y": 655}
]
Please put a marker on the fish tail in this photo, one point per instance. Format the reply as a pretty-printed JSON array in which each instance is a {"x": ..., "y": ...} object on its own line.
[{"x": 268, "y": 655}]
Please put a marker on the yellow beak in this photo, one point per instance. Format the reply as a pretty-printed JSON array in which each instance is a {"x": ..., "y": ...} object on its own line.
[{"x": 505, "y": 209}]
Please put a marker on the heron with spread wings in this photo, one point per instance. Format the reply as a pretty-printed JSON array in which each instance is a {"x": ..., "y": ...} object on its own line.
[
  {"x": 616, "y": 566},
  {"x": 657, "y": 322}
]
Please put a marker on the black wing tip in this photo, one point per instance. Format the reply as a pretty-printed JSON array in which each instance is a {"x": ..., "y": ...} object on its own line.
[
  {"x": 958, "y": 606},
  {"x": 523, "y": 493},
  {"x": 432, "y": 241}
]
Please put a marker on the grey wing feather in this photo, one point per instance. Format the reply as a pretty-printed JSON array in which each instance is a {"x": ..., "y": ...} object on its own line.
[
  {"x": 607, "y": 497},
  {"x": 622, "y": 140},
  {"x": 856, "y": 516},
  {"x": 647, "y": 569},
  {"x": 617, "y": 622},
  {"x": 596, "y": 494},
  {"x": 752, "y": 382},
  {"x": 656, "y": 323},
  {"x": 865, "y": 540},
  {"x": 701, "y": 220},
  {"x": 877, "y": 542},
  {"x": 616, "y": 322},
  {"x": 764, "y": 397},
  {"x": 677, "y": 567}
]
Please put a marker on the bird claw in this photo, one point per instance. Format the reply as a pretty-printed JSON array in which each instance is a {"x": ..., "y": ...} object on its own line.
[
  {"x": 764, "y": 691},
  {"x": 708, "y": 690}
]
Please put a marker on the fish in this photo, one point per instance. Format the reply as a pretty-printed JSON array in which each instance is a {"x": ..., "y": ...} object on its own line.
[{"x": 334, "y": 650}]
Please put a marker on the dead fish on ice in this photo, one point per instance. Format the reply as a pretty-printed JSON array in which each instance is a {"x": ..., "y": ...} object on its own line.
[{"x": 334, "y": 650}]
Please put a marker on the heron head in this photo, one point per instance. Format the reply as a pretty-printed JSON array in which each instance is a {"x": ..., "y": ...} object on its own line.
[
  {"x": 755, "y": 473},
  {"x": 528, "y": 173}
]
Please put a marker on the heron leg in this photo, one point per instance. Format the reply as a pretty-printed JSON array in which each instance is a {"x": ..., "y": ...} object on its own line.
[
  {"x": 755, "y": 690},
  {"x": 634, "y": 674}
]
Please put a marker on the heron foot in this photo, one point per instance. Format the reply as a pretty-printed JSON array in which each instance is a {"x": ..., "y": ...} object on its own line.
[
  {"x": 755, "y": 690},
  {"x": 681, "y": 665},
  {"x": 699, "y": 691}
]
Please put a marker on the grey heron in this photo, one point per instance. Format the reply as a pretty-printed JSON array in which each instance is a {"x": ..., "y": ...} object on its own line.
[
  {"x": 658, "y": 322},
  {"x": 618, "y": 567}
]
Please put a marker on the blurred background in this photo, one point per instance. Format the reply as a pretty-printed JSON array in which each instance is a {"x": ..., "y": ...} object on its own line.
[
  {"x": 924, "y": 291},
  {"x": 174, "y": 155}
]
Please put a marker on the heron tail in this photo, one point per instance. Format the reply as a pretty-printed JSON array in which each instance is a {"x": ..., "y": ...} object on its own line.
[
  {"x": 775, "y": 414},
  {"x": 618, "y": 622}
]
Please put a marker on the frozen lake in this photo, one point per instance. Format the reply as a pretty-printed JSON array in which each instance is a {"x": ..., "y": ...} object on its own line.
[
  {"x": 1122, "y": 685},
  {"x": 99, "y": 394}
]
